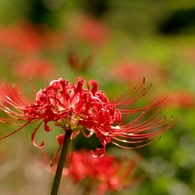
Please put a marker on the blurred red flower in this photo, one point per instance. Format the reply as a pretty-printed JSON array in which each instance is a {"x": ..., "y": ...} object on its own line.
[
  {"x": 25, "y": 38},
  {"x": 82, "y": 107},
  {"x": 20, "y": 38},
  {"x": 106, "y": 174},
  {"x": 34, "y": 68},
  {"x": 132, "y": 71},
  {"x": 90, "y": 30},
  {"x": 181, "y": 99}
]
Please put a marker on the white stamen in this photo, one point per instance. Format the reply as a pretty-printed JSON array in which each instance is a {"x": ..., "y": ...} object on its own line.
[{"x": 116, "y": 127}]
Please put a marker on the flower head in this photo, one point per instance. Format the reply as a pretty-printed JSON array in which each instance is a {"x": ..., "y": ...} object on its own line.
[
  {"x": 81, "y": 107},
  {"x": 106, "y": 174}
]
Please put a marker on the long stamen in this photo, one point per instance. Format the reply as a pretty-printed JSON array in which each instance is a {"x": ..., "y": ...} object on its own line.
[{"x": 15, "y": 130}]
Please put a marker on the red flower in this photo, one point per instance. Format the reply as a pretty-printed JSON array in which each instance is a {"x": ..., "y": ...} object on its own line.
[
  {"x": 89, "y": 30},
  {"x": 25, "y": 38},
  {"x": 82, "y": 107},
  {"x": 106, "y": 174},
  {"x": 34, "y": 68},
  {"x": 181, "y": 99},
  {"x": 21, "y": 38},
  {"x": 128, "y": 71}
]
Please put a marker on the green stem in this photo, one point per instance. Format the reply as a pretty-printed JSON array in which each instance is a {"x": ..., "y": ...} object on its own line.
[{"x": 58, "y": 175}]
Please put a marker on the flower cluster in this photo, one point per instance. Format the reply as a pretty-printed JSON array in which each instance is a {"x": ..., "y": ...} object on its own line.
[
  {"x": 25, "y": 38},
  {"x": 101, "y": 174},
  {"x": 81, "y": 107}
]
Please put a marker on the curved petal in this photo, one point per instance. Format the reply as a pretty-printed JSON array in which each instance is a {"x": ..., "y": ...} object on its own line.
[{"x": 33, "y": 137}]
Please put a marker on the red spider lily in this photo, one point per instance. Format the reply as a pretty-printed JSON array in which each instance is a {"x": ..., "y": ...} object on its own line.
[
  {"x": 106, "y": 174},
  {"x": 35, "y": 68},
  {"x": 123, "y": 69},
  {"x": 89, "y": 29},
  {"x": 25, "y": 38},
  {"x": 82, "y": 107},
  {"x": 21, "y": 38},
  {"x": 181, "y": 99}
]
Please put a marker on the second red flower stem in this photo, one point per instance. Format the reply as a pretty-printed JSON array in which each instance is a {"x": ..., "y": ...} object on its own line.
[{"x": 62, "y": 159}]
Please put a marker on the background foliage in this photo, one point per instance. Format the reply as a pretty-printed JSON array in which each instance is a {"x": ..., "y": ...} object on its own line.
[{"x": 116, "y": 43}]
